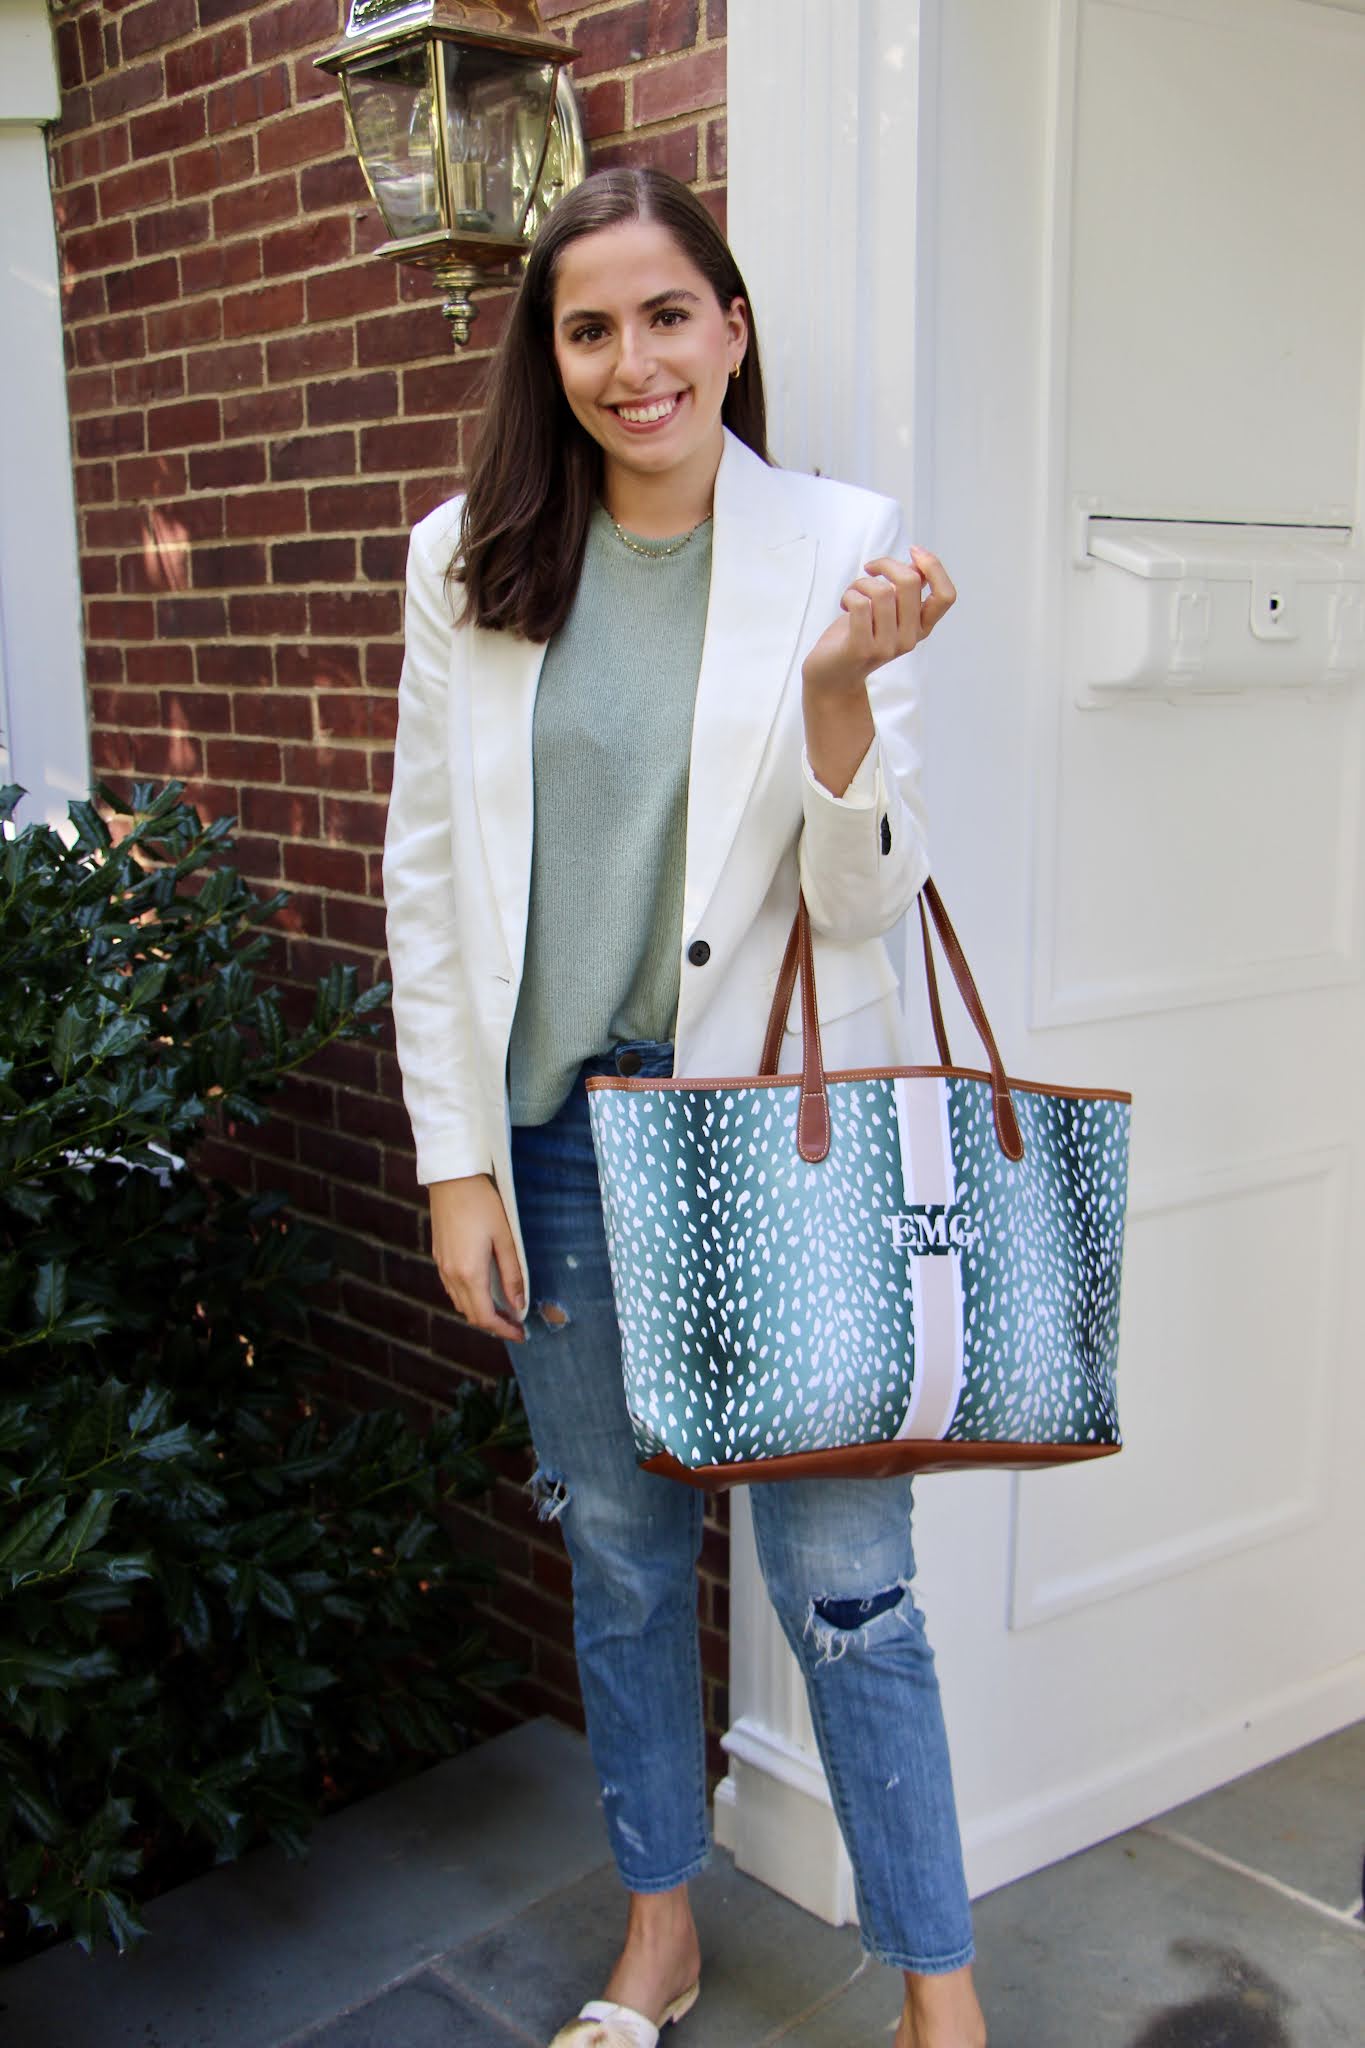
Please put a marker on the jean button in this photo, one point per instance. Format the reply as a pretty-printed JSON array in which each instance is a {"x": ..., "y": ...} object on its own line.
[{"x": 628, "y": 1063}]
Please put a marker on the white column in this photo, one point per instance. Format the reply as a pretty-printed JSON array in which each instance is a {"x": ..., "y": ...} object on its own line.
[
  {"x": 43, "y": 741},
  {"x": 829, "y": 151}
]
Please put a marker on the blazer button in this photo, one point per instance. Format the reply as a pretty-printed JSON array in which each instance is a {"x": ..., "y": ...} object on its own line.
[{"x": 699, "y": 952}]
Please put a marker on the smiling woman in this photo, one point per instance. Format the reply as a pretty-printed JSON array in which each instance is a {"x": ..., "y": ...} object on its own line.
[{"x": 655, "y": 688}]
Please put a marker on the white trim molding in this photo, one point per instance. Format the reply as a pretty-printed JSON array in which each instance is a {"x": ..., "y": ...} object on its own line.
[{"x": 43, "y": 730}]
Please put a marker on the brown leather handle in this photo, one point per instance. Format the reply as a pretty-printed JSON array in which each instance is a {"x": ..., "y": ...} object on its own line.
[{"x": 813, "y": 1129}]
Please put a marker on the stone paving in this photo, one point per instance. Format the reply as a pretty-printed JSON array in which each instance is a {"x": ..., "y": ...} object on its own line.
[{"x": 474, "y": 1907}]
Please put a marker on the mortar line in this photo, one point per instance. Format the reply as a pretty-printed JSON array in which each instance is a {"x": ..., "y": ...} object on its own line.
[
  {"x": 785, "y": 2028},
  {"x": 1346, "y": 1919}
]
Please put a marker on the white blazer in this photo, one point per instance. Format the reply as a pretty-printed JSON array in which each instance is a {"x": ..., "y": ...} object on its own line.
[{"x": 457, "y": 855}]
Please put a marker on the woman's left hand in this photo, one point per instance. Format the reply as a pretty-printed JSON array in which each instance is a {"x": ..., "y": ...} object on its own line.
[{"x": 884, "y": 613}]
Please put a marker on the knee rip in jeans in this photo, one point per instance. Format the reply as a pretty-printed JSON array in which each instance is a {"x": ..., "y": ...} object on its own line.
[
  {"x": 837, "y": 1624},
  {"x": 553, "y": 1314},
  {"x": 549, "y": 1492}
]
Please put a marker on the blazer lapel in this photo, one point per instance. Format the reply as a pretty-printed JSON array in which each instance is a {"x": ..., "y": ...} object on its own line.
[
  {"x": 762, "y": 565},
  {"x": 504, "y": 672}
]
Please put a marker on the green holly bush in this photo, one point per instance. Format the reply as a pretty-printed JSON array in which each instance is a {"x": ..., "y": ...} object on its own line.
[{"x": 223, "y": 1605}]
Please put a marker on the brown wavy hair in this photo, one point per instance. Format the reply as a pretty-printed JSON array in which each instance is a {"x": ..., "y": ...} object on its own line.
[{"x": 536, "y": 472}]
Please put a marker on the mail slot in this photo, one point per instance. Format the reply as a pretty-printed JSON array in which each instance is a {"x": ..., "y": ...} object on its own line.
[{"x": 1170, "y": 606}]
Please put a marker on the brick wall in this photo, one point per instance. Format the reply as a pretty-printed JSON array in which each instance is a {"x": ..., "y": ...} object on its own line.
[{"x": 260, "y": 410}]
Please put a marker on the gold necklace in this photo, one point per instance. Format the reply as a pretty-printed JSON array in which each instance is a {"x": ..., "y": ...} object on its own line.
[{"x": 673, "y": 548}]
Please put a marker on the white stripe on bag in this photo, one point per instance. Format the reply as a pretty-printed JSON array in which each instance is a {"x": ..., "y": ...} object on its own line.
[{"x": 935, "y": 1279}]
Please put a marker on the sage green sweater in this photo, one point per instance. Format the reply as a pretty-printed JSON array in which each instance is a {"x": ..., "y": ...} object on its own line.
[{"x": 610, "y": 753}]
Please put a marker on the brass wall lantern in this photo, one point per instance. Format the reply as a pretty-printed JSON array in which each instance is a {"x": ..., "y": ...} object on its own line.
[{"x": 466, "y": 129}]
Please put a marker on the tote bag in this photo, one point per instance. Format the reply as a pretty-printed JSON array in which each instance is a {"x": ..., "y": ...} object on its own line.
[{"x": 872, "y": 1271}]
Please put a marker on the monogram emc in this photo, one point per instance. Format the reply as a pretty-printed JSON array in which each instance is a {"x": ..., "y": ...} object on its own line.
[{"x": 933, "y": 1228}]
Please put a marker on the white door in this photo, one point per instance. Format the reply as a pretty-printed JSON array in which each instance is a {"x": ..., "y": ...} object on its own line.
[{"x": 1122, "y": 244}]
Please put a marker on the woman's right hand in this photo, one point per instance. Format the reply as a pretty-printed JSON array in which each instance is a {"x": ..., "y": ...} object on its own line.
[{"x": 469, "y": 1234}]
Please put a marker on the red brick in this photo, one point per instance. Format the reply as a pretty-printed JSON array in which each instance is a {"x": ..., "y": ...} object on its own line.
[
  {"x": 183, "y": 326},
  {"x": 77, "y": 207},
  {"x": 325, "y": 867},
  {"x": 673, "y": 150},
  {"x": 356, "y": 715},
  {"x": 244, "y": 760},
  {"x": 227, "y": 469},
  {"x": 672, "y": 26},
  {"x": 143, "y": 185},
  {"x": 288, "y": 27},
  {"x": 358, "y": 288},
  {"x": 90, "y": 391},
  {"x": 364, "y": 614},
  {"x": 76, "y": 111},
  {"x": 172, "y": 227},
  {"x": 257, "y": 205},
  {"x": 289, "y": 814},
  {"x": 218, "y": 164},
  {"x": 383, "y": 557},
  {"x": 714, "y": 201},
  {"x": 126, "y": 89},
  {"x": 160, "y": 664},
  {"x": 716, "y": 153},
  {"x": 119, "y": 433},
  {"x": 404, "y": 445},
  {"x": 155, "y": 377},
  {"x": 262, "y": 414},
  {"x": 151, "y": 27},
  {"x": 150, "y": 476},
  {"x": 415, "y": 335},
  {"x": 326, "y": 768},
  {"x": 266, "y": 512},
  {"x": 235, "y": 662},
  {"x": 99, "y": 248},
  {"x": 205, "y": 62},
  {"x": 264, "y": 311},
  {"x": 170, "y": 127},
  {"x": 125, "y": 707},
  {"x": 340, "y": 399},
  {"x": 93, "y": 482},
  {"x": 239, "y": 368},
  {"x": 181, "y": 426},
  {"x": 118, "y": 527},
  {"x": 191, "y": 618},
  {"x": 352, "y": 508},
  {"x": 111, "y": 340},
  {"x": 313, "y": 561},
  {"x": 244, "y": 100},
  {"x": 314, "y": 667},
  {"x": 196, "y": 711},
  {"x": 608, "y": 40},
  {"x": 70, "y": 59},
  {"x": 313, "y": 455},
  {"x": 147, "y": 284},
  {"x": 90, "y": 156},
  {"x": 212, "y": 11},
  {"x": 221, "y": 267},
  {"x": 99, "y": 576},
  {"x": 317, "y": 131},
  {"x": 279, "y": 715},
  {"x": 228, "y": 568},
  {"x": 680, "y": 87},
  {"x": 338, "y": 183},
  {"x": 603, "y": 108},
  {"x": 309, "y": 83},
  {"x": 715, "y": 18},
  {"x": 313, "y": 245},
  {"x": 117, "y": 618},
  {"x": 316, "y": 353},
  {"x": 273, "y": 613},
  {"x": 447, "y": 387}
]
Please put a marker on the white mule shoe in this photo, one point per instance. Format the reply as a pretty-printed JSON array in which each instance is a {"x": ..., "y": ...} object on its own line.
[{"x": 601, "y": 2024}]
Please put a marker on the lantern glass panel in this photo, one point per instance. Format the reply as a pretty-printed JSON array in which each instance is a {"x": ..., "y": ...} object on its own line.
[
  {"x": 498, "y": 115},
  {"x": 393, "y": 108}
]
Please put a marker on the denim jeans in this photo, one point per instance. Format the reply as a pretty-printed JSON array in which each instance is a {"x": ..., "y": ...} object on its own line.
[{"x": 836, "y": 1560}]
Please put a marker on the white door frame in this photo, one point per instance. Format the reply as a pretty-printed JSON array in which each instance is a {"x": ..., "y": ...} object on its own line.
[{"x": 43, "y": 729}]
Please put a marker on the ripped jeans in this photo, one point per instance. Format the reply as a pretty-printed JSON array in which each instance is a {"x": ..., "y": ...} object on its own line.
[{"x": 836, "y": 1560}]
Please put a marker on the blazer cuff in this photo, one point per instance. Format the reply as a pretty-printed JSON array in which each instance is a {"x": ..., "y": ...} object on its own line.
[{"x": 861, "y": 793}]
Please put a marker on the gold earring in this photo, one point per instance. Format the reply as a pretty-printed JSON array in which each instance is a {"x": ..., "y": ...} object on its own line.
[{"x": 735, "y": 372}]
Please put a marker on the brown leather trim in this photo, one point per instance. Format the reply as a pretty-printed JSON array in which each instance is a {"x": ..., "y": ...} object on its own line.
[
  {"x": 879, "y": 1461},
  {"x": 812, "y": 1119},
  {"x": 931, "y": 980},
  {"x": 853, "y": 1074}
]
